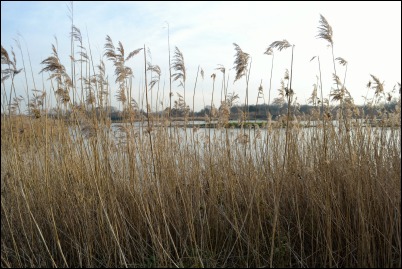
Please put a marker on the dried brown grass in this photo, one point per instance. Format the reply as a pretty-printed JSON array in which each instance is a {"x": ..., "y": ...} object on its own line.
[{"x": 84, "y": 194}]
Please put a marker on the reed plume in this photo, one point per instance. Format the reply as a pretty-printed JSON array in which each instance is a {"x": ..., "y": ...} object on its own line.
[
  {"x": 241, "y": 62},
  {"x": 179, "y": 67},
  {"x": 341, "y": 61},
  {"x": 154, "y": 79},
  {"x": 279, "y": 45},
  {"x": 122, "y": 72},
  {"x": 377, "y": 85},
  {"x": 241, "y": 66},
  {"x": 325, "y": 30}
]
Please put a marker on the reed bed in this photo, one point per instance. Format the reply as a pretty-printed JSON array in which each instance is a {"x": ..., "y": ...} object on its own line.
[
  {"x": 92, "y": 202},
  {"x": 81, "y": 193}
]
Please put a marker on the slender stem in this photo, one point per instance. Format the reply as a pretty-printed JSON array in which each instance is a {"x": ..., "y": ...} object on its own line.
[
  {"x": 227, "y": 85},
  {"x": 278, "y": 187},
  {"x": 170, "y": 78},
  {"x": 247, "y": 80},
  {"x": 212, "y": 100},
  {"x": 288, "y": 117},
  {"x": 147, "y": 105},
  {"x": 344, "y": 79},
  {"x": 270, "y": 84},
  {"x": 322, "y": 110},
  {"x": 337, "y": 86},
  {"x": 195, "y": 85}
]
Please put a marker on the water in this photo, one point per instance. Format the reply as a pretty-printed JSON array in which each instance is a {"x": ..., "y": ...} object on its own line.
[{"x": 254, "y": 141}]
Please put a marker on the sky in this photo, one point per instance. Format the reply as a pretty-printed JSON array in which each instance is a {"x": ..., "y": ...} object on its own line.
[{"x": 366, "y": 34}]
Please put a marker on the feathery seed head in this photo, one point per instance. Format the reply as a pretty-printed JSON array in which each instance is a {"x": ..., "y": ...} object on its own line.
[{"x": 325, "y": 30}]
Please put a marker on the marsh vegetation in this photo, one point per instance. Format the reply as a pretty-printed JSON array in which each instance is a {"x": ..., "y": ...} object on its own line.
[{"x": 84, "y": 192}]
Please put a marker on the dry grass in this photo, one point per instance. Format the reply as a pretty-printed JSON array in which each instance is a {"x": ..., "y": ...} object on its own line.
[
  {"x": 96, "y": 202},
  {"x": 85, "y": 194}
]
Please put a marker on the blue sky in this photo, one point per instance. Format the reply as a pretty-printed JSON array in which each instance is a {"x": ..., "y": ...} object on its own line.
[{"x": 366, "y": 34}]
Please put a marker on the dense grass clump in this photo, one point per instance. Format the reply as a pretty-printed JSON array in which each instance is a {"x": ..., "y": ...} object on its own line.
[{"x": 94, "y": 202}]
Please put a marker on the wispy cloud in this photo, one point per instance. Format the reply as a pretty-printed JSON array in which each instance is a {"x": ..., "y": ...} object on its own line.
[{"x": 205, "y": 31}]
